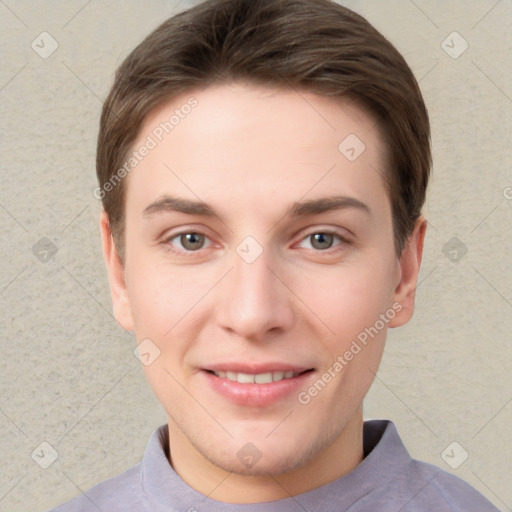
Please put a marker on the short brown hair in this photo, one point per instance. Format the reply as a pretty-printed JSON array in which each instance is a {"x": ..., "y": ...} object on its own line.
[{"x": 315, "y": 45}]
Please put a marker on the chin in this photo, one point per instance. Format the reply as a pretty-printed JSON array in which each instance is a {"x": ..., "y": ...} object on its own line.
[
  {"x": 270, "y": 465},
  {"x": 265, "y": 458}
]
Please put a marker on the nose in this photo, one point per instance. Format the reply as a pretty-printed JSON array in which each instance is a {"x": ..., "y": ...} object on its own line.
[{"x": 254, "y": 303}]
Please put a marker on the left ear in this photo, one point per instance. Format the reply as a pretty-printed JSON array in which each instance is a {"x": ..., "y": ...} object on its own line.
[{"x": 410, "y": 262}]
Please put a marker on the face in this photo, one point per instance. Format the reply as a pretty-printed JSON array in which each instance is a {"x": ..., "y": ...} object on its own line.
[{"x": 261, "y": 273}]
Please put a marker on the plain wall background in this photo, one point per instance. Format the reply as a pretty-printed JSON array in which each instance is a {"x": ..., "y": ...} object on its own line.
[{"x": 68, "y": 376}]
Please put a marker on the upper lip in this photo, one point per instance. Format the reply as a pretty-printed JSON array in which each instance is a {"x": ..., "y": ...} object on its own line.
[{"x": 256, "y": 368}]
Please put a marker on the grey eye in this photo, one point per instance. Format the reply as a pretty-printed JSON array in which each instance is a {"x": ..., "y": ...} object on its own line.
[
  {"x": 192, "y": 241},
  {"x": 322, "y": 241}
]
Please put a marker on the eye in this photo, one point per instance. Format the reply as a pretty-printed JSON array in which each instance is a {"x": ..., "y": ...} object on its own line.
[
  {"x": 189, "y": 242},
  {"x": 321, "y": 241}
]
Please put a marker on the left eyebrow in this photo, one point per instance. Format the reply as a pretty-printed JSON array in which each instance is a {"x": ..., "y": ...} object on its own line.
[{"x": 325, "y": 204}]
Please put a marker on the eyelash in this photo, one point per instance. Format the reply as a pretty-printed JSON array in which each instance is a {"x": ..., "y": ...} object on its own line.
[{"x": 342, "y": 241}]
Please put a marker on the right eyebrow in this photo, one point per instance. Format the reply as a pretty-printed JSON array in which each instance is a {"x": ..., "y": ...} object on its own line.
[{"x": 175, "y": 204}]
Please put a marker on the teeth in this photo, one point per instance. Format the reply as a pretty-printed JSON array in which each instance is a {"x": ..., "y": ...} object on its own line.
[
  {"x": 277, "y": 375},
  {"x": 259, "y": 378},
  {"x": 263, "y": 378},
  {"x": 245, "y": 378}
]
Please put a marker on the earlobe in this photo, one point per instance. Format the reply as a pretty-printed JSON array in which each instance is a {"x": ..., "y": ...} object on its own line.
[
  {"x": 116, "y": 276},
  {"x": 410, "y": 262}
]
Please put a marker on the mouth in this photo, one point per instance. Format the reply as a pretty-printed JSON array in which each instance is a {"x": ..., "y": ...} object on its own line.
[
  {"x": 257, "y": 378},
  {"x": 257, "y": 385}
]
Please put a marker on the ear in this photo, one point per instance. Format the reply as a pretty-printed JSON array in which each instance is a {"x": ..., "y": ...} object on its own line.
[
  {"x": 409, "y": 264},
  {"x": 116, "y": 277}
]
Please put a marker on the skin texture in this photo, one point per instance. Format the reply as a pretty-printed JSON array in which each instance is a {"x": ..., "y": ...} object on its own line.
[{"x": 250, "y": 153}]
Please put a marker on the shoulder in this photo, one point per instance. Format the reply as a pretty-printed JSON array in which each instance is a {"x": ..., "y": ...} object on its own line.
[
  {"x": 427, "y": 487},
  {"x": 409, "y": 484},
  {"x": 119, "y": 493},
  {"x": 134, "y": 490},
  {"x": 423, "y": 487}
]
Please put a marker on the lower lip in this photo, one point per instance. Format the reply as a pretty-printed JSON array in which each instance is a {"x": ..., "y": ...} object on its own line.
[{"x": 257, "y": 395}]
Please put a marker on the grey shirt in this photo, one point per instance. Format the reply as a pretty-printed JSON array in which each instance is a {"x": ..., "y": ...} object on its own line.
[{"x": 387, "y": 479}]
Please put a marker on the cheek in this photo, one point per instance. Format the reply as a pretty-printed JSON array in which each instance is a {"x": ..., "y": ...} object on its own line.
[
  {"x": 169, "y": 306},
  {"x": 350, "y": 301},
  {"x": 160, "y": 295},
  {"x": 349, "y": 298},
  {"x": 165, "y": 303}
]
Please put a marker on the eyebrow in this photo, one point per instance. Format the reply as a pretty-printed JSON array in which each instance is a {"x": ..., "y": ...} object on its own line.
[
  {"x": 298, "y": 209},
  {"x": 325, "y": 204},
  {"x": 176, "y": 204}
]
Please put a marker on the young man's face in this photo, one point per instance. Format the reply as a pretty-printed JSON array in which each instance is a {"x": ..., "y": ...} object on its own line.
[{"x": 286, "y": 270}]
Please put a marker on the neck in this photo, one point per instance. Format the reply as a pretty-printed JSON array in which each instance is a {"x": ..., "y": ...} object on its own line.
[{"x": 334, "y": 461}]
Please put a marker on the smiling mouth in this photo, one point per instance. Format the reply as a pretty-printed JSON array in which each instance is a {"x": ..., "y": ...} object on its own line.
[{"x": 258, "y": 378}]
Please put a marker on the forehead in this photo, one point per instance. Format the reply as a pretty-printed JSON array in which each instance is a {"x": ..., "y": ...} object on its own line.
[{"x": 240, "y": 144}]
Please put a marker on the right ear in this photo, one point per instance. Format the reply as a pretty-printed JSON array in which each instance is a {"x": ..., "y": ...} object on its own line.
[{"x": 116, "y": 276}]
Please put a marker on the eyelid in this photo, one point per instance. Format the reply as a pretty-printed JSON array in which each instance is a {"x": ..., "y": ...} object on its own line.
[{"x": 328, "y": 231}]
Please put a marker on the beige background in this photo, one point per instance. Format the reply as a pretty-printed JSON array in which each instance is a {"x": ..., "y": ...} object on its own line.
[{"x": 68, "y": 376}]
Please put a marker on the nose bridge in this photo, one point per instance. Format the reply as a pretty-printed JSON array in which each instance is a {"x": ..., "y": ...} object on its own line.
[
  {"x": 252, "y": 280},
  {"x": 253, "y": 302}
]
